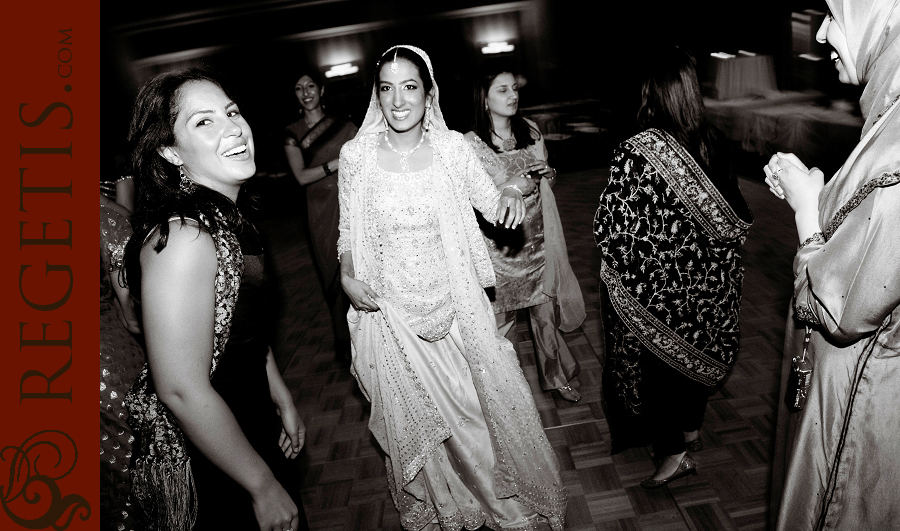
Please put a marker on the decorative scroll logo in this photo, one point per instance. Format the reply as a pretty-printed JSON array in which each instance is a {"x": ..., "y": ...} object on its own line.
[{"x": 33, "y": 474}]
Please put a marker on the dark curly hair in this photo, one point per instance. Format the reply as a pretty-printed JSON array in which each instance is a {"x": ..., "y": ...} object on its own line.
[{"x": 161, "y": 197}]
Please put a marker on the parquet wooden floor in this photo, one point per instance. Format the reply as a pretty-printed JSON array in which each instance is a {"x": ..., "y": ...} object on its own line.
[{"x": 344, "y": 485}]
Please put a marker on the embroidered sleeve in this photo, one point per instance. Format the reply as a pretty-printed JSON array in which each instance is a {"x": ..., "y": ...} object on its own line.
[
  {"x": 851, "y": 282},
  {"x": 485, "y": 155},
  {"x": 347, "y": 169},
  {"x": 482, "y": 192},
  {"x": 815, "y": 238}
]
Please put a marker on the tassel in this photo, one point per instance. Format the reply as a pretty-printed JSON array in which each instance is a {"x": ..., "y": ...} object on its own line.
[{"x": 166, "y": 493}]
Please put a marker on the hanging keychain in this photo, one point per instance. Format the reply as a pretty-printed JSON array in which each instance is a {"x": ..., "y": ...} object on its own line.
[{"x": 801, "y": 377}]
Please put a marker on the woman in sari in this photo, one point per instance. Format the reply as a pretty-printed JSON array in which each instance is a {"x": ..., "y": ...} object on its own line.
[
  {"x": 836, "y": 459},
  {"x": 670, "y": 225},
  {"x": 531, "y": 263},
  {"x": 450, "y": 406},
  {"x": 312, "y": 145}
]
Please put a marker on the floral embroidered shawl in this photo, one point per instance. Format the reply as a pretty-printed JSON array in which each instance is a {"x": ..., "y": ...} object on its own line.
[{"x": 671, "y": 259}]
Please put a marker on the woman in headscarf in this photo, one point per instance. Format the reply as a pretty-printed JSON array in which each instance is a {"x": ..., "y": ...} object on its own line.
[
  {"x": 670, "y": 225},
  {"x": 312, "y": 145},
  {"x": 531, "y": 263},
  {"x": 450, "y": 406},
  {"x": 836, "y": 460}
]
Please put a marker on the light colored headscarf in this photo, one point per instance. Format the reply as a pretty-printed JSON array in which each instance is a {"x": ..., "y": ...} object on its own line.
[
  {"x": 374, "y": 120},
  {"x": 872, "y": 30},
  {"x": 404, "y": 419}
]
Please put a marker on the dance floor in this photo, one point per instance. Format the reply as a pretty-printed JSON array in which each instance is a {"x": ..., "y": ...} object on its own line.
[{"x": 344, "y": 483}]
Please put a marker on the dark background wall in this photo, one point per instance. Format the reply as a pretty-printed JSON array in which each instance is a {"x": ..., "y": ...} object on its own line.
[{"x": 568, "y": 50}]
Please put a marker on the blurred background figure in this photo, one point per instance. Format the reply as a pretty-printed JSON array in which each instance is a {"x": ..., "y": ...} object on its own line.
[
  {"x": 312, "y": 145},
  {"x": 121, "y": 189},
  {"x": 531, "y": 263},
  {"x": 216, "y": 424},
  {"x": 670, "y": 225},
  {"x": 121, "y": 359},
  {"x": 450, "y": 406},
  {"x": 836, "y": 463}
]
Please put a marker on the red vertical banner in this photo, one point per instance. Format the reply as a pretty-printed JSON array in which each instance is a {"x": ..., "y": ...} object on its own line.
[{"x": 49, "y": 447}]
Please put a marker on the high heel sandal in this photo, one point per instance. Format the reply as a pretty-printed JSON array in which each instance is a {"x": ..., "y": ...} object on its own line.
[
  {"x": 567, "y": 393},
  {"x": 686, "y": 467}
]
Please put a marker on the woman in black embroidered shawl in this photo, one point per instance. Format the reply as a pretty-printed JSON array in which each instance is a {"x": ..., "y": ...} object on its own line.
[
  {"x": 670, "y": 224},
  {"x": 312, "y": 145},
  {"x": 215, "y": 422}
]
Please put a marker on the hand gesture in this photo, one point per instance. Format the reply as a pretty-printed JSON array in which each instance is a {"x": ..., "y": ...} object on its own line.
[
  {"x": 274, "y": 508},
  {"x": 293, "y": 432},
  {"x": 788, "y": 178},
  {"x": 511, "y": 209},
  {"x": 542, "y": 168},
  {"x": 361, "y": 295}
]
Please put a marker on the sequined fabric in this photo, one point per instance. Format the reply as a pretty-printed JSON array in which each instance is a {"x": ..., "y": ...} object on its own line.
[
  {"x": 121, "y": 358},
  {"x": 410, "y": 257},
  {"x": 161, "y": 471},
  {"x": 404, "y": 417},
  {"x": 517, "y": 255}
]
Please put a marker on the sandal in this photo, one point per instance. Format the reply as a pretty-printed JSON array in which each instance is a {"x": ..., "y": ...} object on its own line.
[{"x": 567, "y": 393}]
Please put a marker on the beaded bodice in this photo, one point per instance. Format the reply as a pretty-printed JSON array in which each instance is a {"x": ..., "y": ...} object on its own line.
[{"x": 405, "y": 228}]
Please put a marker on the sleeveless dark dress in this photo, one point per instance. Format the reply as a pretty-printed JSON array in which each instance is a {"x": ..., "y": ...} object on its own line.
[{"x": 241, "y": 380}]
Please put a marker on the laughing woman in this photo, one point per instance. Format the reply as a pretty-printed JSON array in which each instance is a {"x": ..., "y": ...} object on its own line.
[
  {"x": 312, "y": 145},
  {"x": 450, "y": 406},
  {"x": 215, "y": 423},
  {"x": 531, "y": 262},
  {"x": 836, "y": 460}
]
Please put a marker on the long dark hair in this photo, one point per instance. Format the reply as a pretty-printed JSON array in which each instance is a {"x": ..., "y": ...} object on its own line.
[
  {"x": 671, "y": 101},
  {"x": 522, "y": 131},
  {"x": 161, "y": 196}
]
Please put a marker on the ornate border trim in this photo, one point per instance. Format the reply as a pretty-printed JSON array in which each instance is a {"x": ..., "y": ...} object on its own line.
[
  {"x": 657, "y": 337},
  {"x": 885, "y": 180},
  {"x": 690, "y": 184}
]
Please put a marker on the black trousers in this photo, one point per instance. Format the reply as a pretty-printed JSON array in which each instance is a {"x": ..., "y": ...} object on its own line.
[{"x": 674, "y": 404}]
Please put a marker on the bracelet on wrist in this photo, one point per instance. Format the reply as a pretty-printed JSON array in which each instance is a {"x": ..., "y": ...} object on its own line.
[
  {"x": 514, "y": 187},
  {"x": 327, "y": 169}
]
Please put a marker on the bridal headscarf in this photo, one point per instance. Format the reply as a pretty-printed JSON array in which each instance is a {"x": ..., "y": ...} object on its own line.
[
  {"x": 403, "y": 417},
  {"x": 374, "y": 120}
]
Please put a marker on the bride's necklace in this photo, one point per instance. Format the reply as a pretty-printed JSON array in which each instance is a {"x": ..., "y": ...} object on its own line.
[
  {"x": 404, "y": 163},
  {"x": 507, "y": 144}
]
